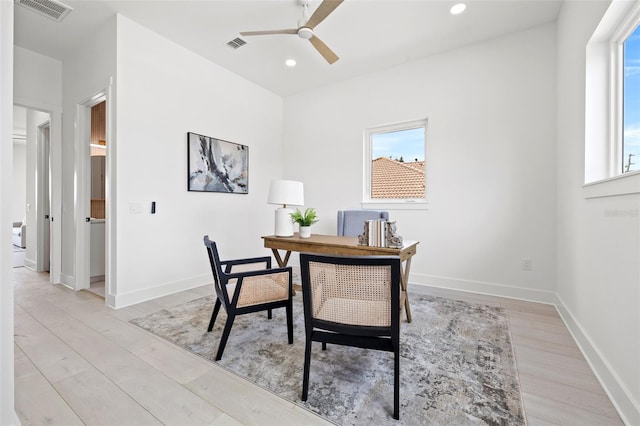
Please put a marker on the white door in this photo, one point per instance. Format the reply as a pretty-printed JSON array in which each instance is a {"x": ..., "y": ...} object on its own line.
[{"x": 44, "y": 245}]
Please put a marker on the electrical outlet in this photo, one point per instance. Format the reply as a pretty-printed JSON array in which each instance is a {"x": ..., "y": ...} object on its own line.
[{"x": 526, "y": 264}]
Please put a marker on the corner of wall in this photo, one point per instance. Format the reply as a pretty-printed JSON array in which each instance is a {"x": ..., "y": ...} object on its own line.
[{"x": 619, "y": 395}]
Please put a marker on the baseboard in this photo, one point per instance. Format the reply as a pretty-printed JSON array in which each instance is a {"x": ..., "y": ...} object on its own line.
[
  {"x": 480, "y": 287},
  {"x": 131, "y": 298},
  {"x": 30, "y": 263},
  {"x": 620, "y": 396},
  {"x": 68, "y": 281}
]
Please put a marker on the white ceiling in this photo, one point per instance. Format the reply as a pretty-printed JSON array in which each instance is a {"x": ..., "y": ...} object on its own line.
[{"x": 367, "y": 35}]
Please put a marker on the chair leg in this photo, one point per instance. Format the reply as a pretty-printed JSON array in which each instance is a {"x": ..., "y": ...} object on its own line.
[
  {"x": 214, "y": 314},
  {"x": 225, "y": 336},
  {"x": 324, "y": 346},
  {"x": 305, "y": 374},
  {"x": 396, "y": 383},
  {"x": 269, "y": 315},
  {"x": 289, "y": 309}
]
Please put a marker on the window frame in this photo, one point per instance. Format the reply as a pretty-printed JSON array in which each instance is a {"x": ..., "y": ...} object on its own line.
[
  {"x": 603, "y": 162},
  {"x": 391, "y": 203},
  {"x": 619, "y": 37}
]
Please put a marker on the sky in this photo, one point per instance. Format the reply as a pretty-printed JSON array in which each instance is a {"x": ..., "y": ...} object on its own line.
[
  {"x": 408, "y": 144},
  {"x": 631, "y": 142}
]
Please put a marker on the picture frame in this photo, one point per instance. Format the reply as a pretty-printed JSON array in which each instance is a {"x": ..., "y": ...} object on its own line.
[{"x": 216, "y": 165}]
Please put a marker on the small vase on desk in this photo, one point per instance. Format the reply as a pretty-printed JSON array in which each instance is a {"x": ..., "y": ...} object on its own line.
[{"x": 305, "y": 232}]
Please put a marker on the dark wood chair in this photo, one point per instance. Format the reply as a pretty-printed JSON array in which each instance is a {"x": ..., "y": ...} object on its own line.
[
  {"x": 243, "y": 287},
  {"x": 352, "y": 301}
]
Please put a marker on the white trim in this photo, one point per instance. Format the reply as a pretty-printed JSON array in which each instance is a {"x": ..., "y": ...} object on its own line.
[
  {"x": 626, "y": 184},
  {"x": 482, "y": 287},
  {"x": 604, "y": 92},
  {"x": 55, "y": 208},
  {"x": 67, "y": 281},
  {"x": 134, "y": 297},
  {"x": 395, "y": 205},
  {"x": 618, "y": 393},
  {"x": 42, "y": 197},
  {"x": 8, "y": 415},
  {"x": 82, "y": 184},
  {"x": 615, "y": 389}
]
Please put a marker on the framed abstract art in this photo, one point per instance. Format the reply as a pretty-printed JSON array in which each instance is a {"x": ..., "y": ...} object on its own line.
[{"x": 215, "y": 165}]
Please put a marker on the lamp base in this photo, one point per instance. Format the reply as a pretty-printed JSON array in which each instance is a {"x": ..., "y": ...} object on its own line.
[{"x": 284, "y": 223}]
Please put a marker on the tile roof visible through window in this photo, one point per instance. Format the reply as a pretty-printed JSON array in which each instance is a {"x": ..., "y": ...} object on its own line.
[{"x": 396, "y": 179}]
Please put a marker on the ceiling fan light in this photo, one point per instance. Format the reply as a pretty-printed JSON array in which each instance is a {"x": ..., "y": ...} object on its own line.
[{"x": 305, "y": 33}]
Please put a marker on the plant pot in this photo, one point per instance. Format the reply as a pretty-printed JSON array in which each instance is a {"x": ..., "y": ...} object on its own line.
[{"x": 305, "y": 231}]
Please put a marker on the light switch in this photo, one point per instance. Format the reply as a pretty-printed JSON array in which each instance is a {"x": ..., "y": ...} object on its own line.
[{"x": 135, "y": 208}]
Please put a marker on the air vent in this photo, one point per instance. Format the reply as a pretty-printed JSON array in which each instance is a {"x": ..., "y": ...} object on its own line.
[
  {"x": 236, "y": 43},
  {"x": 52, "y": 9}
]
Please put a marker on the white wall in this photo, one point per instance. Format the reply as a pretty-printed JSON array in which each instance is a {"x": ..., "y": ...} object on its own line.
[
  {"x": 598, "y": 238},
  {"x": 163, "y": 92},
  {"x": 19, "y": 187},
  {"x": 7, "y": 412},
  {"x": 490, "y": 159},
  {"x": 37, "y": 80}
]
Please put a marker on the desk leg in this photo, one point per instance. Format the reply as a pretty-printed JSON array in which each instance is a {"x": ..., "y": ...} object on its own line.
[
  {"x": 404, "y": 281},
  {"x": 283, "y": 263}
]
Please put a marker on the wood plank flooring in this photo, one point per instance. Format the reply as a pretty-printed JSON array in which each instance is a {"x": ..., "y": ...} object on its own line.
[{"x": 78, "y": 362}]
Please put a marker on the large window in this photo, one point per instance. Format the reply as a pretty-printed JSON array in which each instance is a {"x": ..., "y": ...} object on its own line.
[
  {"x": 612, "y": 103},
  {"x": 631, "y": 103},
  {"x": 395, "y": 163}
]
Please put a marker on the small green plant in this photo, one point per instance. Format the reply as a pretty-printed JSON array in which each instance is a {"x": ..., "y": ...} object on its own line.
[{"x": 308, "y": 218}]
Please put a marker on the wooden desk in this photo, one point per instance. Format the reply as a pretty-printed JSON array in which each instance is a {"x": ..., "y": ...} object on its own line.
[{"x": 346, "y": 246}]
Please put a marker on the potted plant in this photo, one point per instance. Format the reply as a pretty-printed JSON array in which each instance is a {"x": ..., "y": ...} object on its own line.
[{"x": 305, "y": 220}]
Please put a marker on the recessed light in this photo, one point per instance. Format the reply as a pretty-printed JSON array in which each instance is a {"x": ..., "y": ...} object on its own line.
[
  {"x": 458, "y": 8},
  {"x": 290, "y": 62}
]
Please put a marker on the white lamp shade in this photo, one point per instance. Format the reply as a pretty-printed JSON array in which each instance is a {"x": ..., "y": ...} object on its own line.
[{"x": 285, "y": 192}]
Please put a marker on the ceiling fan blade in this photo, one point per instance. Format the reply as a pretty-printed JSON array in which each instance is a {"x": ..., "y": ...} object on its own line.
[
  {"x": 269, "y": 32},
  {"x": 325, "y": 8},
  {"x": 324, "y": 50}
]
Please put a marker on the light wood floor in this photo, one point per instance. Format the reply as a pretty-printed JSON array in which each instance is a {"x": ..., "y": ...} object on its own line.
[{"x": 78, "y": 362}]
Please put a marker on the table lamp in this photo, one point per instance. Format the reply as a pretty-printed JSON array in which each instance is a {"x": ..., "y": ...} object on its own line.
[{"x": 285, "y": 192}]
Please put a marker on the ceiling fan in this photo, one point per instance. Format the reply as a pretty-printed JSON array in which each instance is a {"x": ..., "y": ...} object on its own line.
[{"x": 306, "y": 25}]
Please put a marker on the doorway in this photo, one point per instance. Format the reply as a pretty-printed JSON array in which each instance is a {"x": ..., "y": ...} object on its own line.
[
  {"x": 33, "y": 203},
  {"x": 97, "y": 207},
  {"x": 91, "y": 203},
  {"x": 43, "y": 194}
]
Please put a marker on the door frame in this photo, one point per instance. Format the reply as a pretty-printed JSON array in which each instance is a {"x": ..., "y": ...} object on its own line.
[
  {"x": 43, "y": 198},
  {"x": 55, "y": 182},
  {"x": 82, "y": 199}
]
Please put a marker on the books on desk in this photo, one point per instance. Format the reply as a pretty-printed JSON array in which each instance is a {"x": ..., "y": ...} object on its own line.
[{"x": 380, "y": 233}]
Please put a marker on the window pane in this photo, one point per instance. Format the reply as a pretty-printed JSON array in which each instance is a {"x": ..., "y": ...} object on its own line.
[
  {"x": 631, "y": 114},
  {"x": 397, "y": 164}
]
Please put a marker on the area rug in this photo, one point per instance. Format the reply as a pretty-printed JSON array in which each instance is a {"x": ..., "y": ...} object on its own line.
[{"x": 457, "y": 365}]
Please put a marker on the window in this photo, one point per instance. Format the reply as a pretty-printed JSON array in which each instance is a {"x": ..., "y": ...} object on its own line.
[
  {"x": 394, "y": 157},
  {"x": 631, "y": 103},
  {"x": 612, "y": 103}
]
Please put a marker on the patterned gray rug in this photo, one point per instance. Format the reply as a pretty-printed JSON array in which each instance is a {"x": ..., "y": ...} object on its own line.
[{"x": 457, "y": 365}]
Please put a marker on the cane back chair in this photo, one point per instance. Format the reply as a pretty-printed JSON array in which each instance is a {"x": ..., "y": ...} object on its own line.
[
  {"x": 242, "y": 288},
  {"x": 352, "y": 301}
]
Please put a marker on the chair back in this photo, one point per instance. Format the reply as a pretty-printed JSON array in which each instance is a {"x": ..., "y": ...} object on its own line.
[
  {"x": 219, "y": 277},
  {"x": 358, "y": 295},
  {"x": 351, "y": 222}
]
